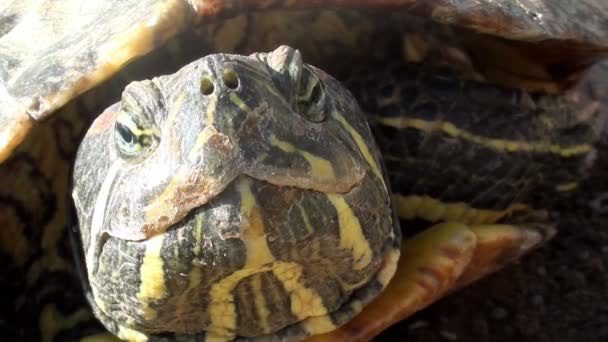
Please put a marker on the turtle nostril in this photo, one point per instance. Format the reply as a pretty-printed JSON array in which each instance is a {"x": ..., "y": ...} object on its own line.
[
  {"x": 207, "y": 86},
  {"x": 231, "y": 79}
]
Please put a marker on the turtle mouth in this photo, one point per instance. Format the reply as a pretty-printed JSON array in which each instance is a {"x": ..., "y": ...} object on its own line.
[
  {"x": 229, "y": 224},
  {"x": 229, "y": 227}
]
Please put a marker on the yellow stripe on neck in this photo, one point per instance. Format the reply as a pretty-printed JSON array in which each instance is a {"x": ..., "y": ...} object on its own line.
[{"x": 497, "y": 144}]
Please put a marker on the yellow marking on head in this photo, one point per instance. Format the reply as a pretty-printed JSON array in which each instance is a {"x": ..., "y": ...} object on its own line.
[
  {"x": 211, "y": 106},
  {"x": 201, "y": 141},
  {"x": 175, "y": 108},
  {"x": 433, "y": 210},
  {"x": 363, "y": 148},
  {"x": 282, "y": 145},
  {"x": 567, "y": 187},
  {"x": 128, "y": 334},
  {"x": 305, "y": 302},
  {"x": 497, "y": 144},
  {"x": 159, "y": 206},
  {"x": 320, "y": 168},
  {"x": 260, "y": 302},
  {"x": 152, "y": 275},
  {"x": 234, "y": 98},
  {"x": 53, "y": 322},
  {"x": 351, "y": 233},
  {"x": 272, "y": 89},
  {"x": 253, "y": 232}
]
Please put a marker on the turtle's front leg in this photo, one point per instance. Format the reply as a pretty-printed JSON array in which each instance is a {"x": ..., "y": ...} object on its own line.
[{"x": 435, "y": 262}]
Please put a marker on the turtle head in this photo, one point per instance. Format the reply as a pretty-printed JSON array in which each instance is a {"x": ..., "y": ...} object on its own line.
[{"x": 231, "y": 173}]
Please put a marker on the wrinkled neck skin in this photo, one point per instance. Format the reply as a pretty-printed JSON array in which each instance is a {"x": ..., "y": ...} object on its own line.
[{"x": 227, "y": 146}]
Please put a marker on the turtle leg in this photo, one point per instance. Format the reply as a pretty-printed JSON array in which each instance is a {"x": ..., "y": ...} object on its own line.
[{"x": 435, "y": 262}]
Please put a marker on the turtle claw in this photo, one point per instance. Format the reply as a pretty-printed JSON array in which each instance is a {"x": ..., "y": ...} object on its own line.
[
  {"x": 435, "y": 262},
  {"x": 501, "y": 244}
]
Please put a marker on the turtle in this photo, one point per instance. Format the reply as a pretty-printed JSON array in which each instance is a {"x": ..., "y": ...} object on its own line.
[{"x": 477, "y": 139}]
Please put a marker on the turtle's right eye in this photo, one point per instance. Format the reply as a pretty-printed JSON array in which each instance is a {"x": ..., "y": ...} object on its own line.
[
  {"x": 312, "y": 101},
  {"x": 132, "y": 136}
]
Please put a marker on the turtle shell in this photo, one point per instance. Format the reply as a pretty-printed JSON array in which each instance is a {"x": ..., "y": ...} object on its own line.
[{"x": 51, "y": 53}]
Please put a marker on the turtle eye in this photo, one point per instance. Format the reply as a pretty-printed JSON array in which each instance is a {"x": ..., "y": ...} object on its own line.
[
  {"x": 133, "y": 137},
  {"x": 312, "y": 101}
]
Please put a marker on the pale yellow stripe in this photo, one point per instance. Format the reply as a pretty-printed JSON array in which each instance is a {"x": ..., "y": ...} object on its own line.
[
  {"x": 305, "y": 302},
  {"x": 363, "y": 148},
  {"x": 253, "y": 232},
  {"x": 152, "y": 275},
  {"x": 222, "y": 310},
  {"x": 351, "y": 233},
  {"x": 234, "y": 98},
  {"x": 497, "y": 144},
  {"x": 320, "y": 168},
  {"x": 211, "y": 107},
  {"x": 201, "y": 141},
  {"x": 175, "y": 108},
  {"x": 260, "y": 302}
]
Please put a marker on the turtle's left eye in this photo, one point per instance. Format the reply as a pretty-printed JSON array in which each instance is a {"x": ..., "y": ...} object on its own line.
[
  {"x": 312, "y": 101},
  {"x": 132, "y": 136}
]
